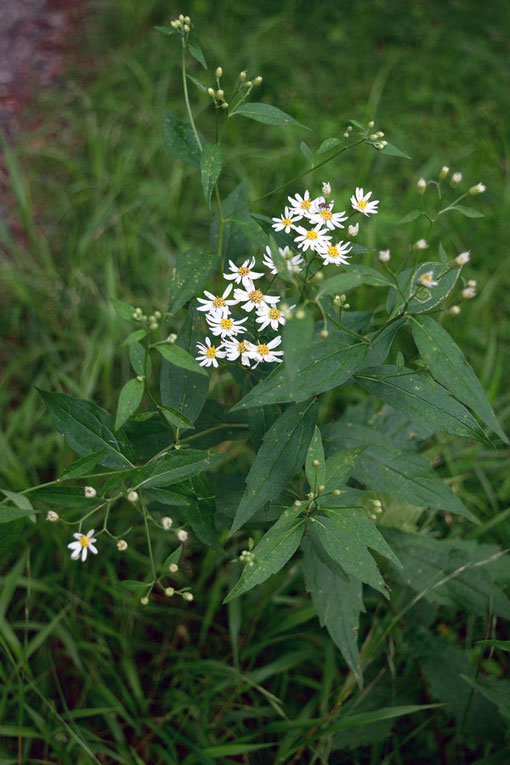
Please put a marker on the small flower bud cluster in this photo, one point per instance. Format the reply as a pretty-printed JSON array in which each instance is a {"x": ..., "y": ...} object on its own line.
[
  {"x": 151, "y": 321},
  {"x": 469, "y": 290},
  {"x": 247, "y": 558},
  {"x": 339, "y": 301},
  {"x": 375, "y": 138},
  {"x": 348, "y": 130},
  {"x": 182, "y": 24}
]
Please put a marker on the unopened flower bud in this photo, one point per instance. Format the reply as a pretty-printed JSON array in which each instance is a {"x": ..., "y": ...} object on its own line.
[
  {"x": 182, "y": 535},
  {"x": 324, "y": 334},
  {"x": 122, "y": 545},
  {"x": 463, "y": 258},
  {"x": 370, "y": 124},
  {"x": 144, "y": 601},
  {"x": 300, "y": 314},
  {"x": 320, "y": 488},
  {"x": 187, "y": 596},
  {"x": 90, "y": 492},
  {"x": 143, "y": 317},
  {"x": 210, "y": 92},
  {"x": 153, "y": 325},
  {"x": 454, "y": 310},
  {"x": 157, "y": 315},
  {"x": 257, "y": 80},
  {"x": 224, "y": 105},
  {"x": 421, "y": 186},
  {"x": 471, "y": 283},
  {"x": 187, "y": 20},
  {"x": 242, "y": 76},
  {"x": 373, "y": 137},
  {"x": 171, "y": 338},
  {"x": 468, "y": 293},
  {"x": 326, "y": 188},
  {"x": 319, "y": 276},
  {"x": 173, "y": 567},
  {"x": 186, "y": 27},
  {"x": 337, "y": 301},
  {"x": 220, "y": 93},
  {"x": 421, "y": 244},
  {"x": 175, "y": 23},
  {"x": 248, "y": 84},
  {"x": 384, "y": 255},
  {"x": 218, "y": 72},
  {"x": 383, "y": 144},
  {"x": 336, "y": 492},
  {"x": 353, "y": 230},
  {"x": 166, "y": 522},
  {"x": 444, "y": 172},
  {"x": 346, "y": 306},
  {"x": 169, "y": 591},
  {"x": 455, "y": 179},
  {"x": 380, "y": 134},
  {"x": 52, "y": 516},
  {"x": 310, "y": 495},
  {"x": 132, "y": 496},
  {"x": 181, "y": 18},
  {"x": 479, "y": 188},
  {"x": 134, "y": 316},
  {"x": 297, "y": 503},
  {"x": 140, "y": 378},
  {"x": 316, "y": 463}
]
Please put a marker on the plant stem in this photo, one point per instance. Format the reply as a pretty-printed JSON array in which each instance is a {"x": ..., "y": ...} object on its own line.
[{"x": 186, "y": 96}]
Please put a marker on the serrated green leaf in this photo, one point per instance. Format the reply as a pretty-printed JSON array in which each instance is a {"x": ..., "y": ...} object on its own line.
[
  {"x": 410, "y": 216},
  {"x": 425, "y": 298},
  {"x": 173, "y": 468},
  {"x": 11, "y": 513},
  {"x": 134, "y": 337},
  {"x": 449, "y": 366},
  {"x": 196, "y": 52},
  {"x": 315, "y": 475},
  {"x": 273, "y": 551},
  {"x": 327, "y": 365},
  {"x": 393, "y": 151},
  {"x": 191, "y": 272},
  {"x": 88, "y": 429},
  {"x": 306, "y": 152},
  {"x": 176, "y": 418},
  {"x": 269, "y": 115},
  {"x": 426, "y": 404},
  {"x": 328, "y": 144},
  {"x": 180, "y": 141},
  {"x": 281, "y": 455},
  {"x": 181, "y": 358},
  {"x": 468, "y": 212},
  {"x": 129, "y": 401},
  {"x": 124, "y": 310},
  {"x": 297, "y": 338},
  {"x": 211, "y": 161}
]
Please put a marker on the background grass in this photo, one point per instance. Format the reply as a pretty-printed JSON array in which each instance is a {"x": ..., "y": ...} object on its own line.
[{"x": 101, "y": 211}]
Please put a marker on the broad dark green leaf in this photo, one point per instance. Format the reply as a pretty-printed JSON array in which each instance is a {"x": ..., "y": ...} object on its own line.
[
  {"x": 200, "y": 515},
  {"x": 211, "y": 161},
  {"x": 297, "y": 338},
  {"x": 70, "y": 497},
  {"x": 393, "y": 151},
  {"x": 400, "y": 473},
  {"x": 423, "y": 401},
  {"x": 88, "y": 429},
  {"x": 173, "y": 468},
  {"x": 315, "y": 475},
  {"x": 269, "y": 115},
  {"x": 496, "y": 691},
  {"x": 339, "y": 468},
  {"x": 181, "y": 358},
  {"x": 330, "y": 143},
  {"x": 281, "y": 455},
  {"x": 273, "y": 551},
  {"x": 468, "y": 212},
  {"x": 260, "y": 420},
  {"x": 380, "y": 346},
  {"x": 129, "y": 401},
  {"x": 175, "y": 418},
  {"x": 196, "y": 52},
  {"x": 449, "y": 366},
  {"x": 327, "y": 365},
  {"x": 425, "y": 298},
  {"x": 180, "y": 141},
  {"x": 180, "y": 495},
  {"x": 338, "y": 601},
  {"x": 411, "y": 216},
  {"x": 9, "y": 513},
  {"x": 353, "y": 277},
  {"x": 235, "y": 240},
  {"x": 19, "y": 500},
  {"x": 189, "y": 276}
]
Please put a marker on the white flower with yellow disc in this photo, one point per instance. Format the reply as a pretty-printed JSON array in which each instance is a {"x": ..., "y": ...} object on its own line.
[
  {"x": 360, "y": 201},
  {"x": 265, "y": 352},
  {"x": 242, "y": 274},
  {"x": 225, "y": 326},
  {"x": 209, "y": 354},
  {"x": 81, "y": 547},
  {"x": 314, "y": 239},
  {"x": 216, "y": 304},
  {"x": 271, "y": 315},
  {"x": 253, "y": 297}
]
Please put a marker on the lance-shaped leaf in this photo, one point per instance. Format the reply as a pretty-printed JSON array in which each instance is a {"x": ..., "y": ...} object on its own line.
[
  {"x": 403, "y": 474},
  {"x": 190, "y": 274},
  {"x": 129, "y": 401},
  {"x": 180, "y": 141},
  {"x": 87, "y": 429},
  {"x": 273, "y": 551},
  {"x": 297, "y": 339},
  {"x": 82, "y": 466},
  {"x": 211, "y": 161},
  {"x": 380, "y": 346},
  {"x": 200, "y": 514},
  {"x": 353, "y": 277},
  {"x": 339, "y": 469},
  {"x": 338, "y": 601},
  {"x": 196, "y": 52},
  {"x": 423, "y": 298},
  {"x": 346, "y": 535},
  {"x": 328, "y": 364},
  {"x": 173, "y": 468},
  {"x": 315, "y": 474},
  {"x": 235, "y": 239},
  {"x": 449, "y": 366},
  {"x": 180, "y": 358},
  {"x": 269, "y": 115},
  {"x": 281, "y": 455},
  {"x": 422, "y": 400},
  {"x": 137, "y": 358},
  {"x": 9, "y": 513}
]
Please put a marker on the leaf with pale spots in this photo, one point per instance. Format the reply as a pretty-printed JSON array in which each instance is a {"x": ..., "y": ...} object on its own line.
[
  {"x": 297, "y": 338},
  {"x": 174, "y": 467},
  {"x": 281, "y": 455},
  {"x": 269, "y": 115},
  {"x": 338, "y": 470},
  {"x": 211, "y": 161},
  {"x": 189, "y": 275},
  {"x": 129, "y": 401},
  {"x": 315, "y": 475},
  {"x": 180, "y": 141}
]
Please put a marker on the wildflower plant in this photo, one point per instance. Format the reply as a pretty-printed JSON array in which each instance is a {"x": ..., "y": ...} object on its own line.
[{"x": 235, "y": 418}]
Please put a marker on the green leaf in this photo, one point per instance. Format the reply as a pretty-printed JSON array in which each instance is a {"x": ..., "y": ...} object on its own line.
[
  {"x": 449, "y": 366},
  {"x": 425, "y": 298},
  {"x": 306, "y": 152},
  {"x": 315, "y": 475},
  {"x": 393, "y": 151},
  {"x": 503, "y": 645},
  {"x": 358, "y": 125},
  {"x": 400, "y": 473},
  {"x": 297, "y": 338},
  {"x": 190, "y": 274},
  {"x": 380, "y": 346},
  {"x": 235, "y": 239},
  {"x": 198, "y": 83},
  {"x": 468, "y": 212},
  {"x": 211, "y": 161},
  {"x": 181, "y": 358},
  {"x": 423, "y": 401},
  {"x": 327, "y": 365},
  {"x": 281, "y": 455},
  {"x": 410, "y": 216},
  {"x": 70, "y": 497},
  {"x": 269, "y": 115},
  {"x": 10, "y": 533},
  {"x": 129, "y": 401},
  {"x": 180, "y": 495},
  {"x": 353, "y": 277},
  {"x": 175, "y": 418},
  {"x": 132, "y": 584},
  {"x": 137, "y": 358},
  {"x": 338, "y": 601},
  {"x": 496, "y": 691},
  {"x": 180, "y": 141},
  {"x": 174, "y": 558},
  {"x": 339, "y": 468},
  {"x": 10, "y": 513},
  {"x": 201, "y": 513},
  {"x": 166, "y": 30},
  {"x": 181, "y": 389},
  {"x": 197, "y": 54},
  {"x": 328, "y": 144},
  {"x": 173, "y": 468},
  {"x": 134, "y": 337},
  {"x": 89, "y": 429},
  {"x": 19, "y": 500},
  {"x": 124, "y": 310},
  {"x": 273, "y": 551},
  {"x": 442, "y": 255}
]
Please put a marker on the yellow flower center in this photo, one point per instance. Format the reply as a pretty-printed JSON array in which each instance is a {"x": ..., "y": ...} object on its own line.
[
  {"x": 241, "y": 347},
  {"x": 326, "y": 215},
  {"x": 243, "y": 271},
  {"x": 311, "y": 234},
  {"x": 333, "y": 251},
  {"x": 262, "y": 349},
  {"x": 256, "y": 296},
  {"x": 84, "y": 541},
  {"x": 274, "y": 313},
  {"x": 286, "y": 221},
  {"x": 226, "y": 323},
  {"x": 305, "y": 204},
  {"x": 218, "y": 302},
  {"x": 211, "y": 352},
  {"x": 362, "y": 205}
]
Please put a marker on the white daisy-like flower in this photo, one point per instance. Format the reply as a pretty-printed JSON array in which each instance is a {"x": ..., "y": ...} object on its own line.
[
  {"x": 90, "y": 492},
  {"x": 265, "y": 352},
  {"x": 238, "y": 348},
  {"x": 314, "y": 239},
  {"x": 217, "y": 304},
  {"x": 84, "y": 543},
  {"x": 293, "y": 261},
  {"x": 384, "y": 255},
  {"x": 208, "y": 354},
  {"x": 301, "y": 206},
  {"x": 360, "y": 201},
  {"x": 52, "y": 516},
  {"x": 353, "y": 230},
  {"x": 271, "y": 315},
  {"x": 468, "y": 292},
  {"x": 323, "y": 214},
  {"x": 326, "y": 188},
  {"x": 166, "y": 522},
  {"x": 286, "y": 221},
  {"x": 336, "y": 253},
  {"x": 462, "y": 258},
  {"x": 242, "y": 274},
  {"x": 253, "y": 297},
  {"x": 122, "y": 545},
  {"x": 224, "y": 326},
  {"x": 182, "y": 535},
  {"x": 427, "y": 279}
]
